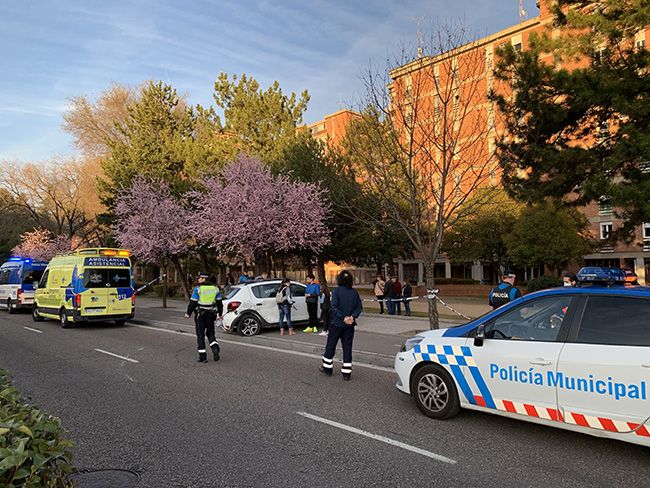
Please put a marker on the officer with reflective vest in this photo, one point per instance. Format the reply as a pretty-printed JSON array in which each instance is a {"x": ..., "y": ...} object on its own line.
[
  {"x": 203, "y": 304},
  {"x": 506, "y": 291}
]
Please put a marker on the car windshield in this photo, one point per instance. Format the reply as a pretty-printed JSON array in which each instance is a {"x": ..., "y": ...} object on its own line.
[
  {"x": 232, "y": 292},
  {"x": 107, "y": 278}
]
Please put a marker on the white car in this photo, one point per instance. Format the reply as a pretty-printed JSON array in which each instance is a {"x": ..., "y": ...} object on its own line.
[
  {"x": 250, "y": 307},
  {"x": 574, "y": 358}
]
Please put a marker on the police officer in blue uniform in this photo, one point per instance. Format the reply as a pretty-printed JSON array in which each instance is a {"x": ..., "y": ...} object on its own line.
[
  {"x": 505, "y": 291},
  {"x": 203, "y": 304}
]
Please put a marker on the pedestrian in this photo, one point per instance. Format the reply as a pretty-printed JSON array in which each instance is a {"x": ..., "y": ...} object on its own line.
[
  {"x": 388, "y": 293},
  {"x": 505, "y": 291},
  {"x": 325, "y": 310},
  {"x": 312, "y": 294},
  {"x": 262, "y": 277},
  {"x": 379, "y": 284},
  {"x": 219, "y": 300},
  {"x": 229, "y": 280},
  {"x": 569, "y": 279},
  {"x": 284, "y": 300},
  {"x": 396, "y": 294},
  {"x": 203, "y": 305},
  {"x": 407, "y": 292},
  {"x": 346, "y": 308}
]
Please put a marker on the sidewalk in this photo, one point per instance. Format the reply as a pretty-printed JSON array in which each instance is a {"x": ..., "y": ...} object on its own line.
[{"x": 377, "y": 337}]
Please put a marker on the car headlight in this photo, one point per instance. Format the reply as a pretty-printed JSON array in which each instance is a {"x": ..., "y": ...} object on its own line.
[{"x": 411, "y": 343}]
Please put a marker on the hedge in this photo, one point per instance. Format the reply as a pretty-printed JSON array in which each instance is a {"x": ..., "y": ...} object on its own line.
[
  {"x": 33, "y": 453},
  {"x": 542, "y": 283}
]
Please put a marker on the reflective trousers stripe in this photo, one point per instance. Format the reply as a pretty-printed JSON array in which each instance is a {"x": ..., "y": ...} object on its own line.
[
  {"x": 327, "y": 361},
  {"x": 201, "y": 350},
  {"x": 213, "y": 343}
]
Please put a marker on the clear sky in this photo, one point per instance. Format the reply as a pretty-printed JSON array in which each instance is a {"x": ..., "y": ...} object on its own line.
[{"x": 53, "y": 50}]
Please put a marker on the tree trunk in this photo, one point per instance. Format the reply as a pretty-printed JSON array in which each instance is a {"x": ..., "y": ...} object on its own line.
[
  {"x": 205, "y": 264},
  {"x": 434, "y": 320},
  {"x": 164, "y": 290},
  {"x": 320, "y": 269},
  {"x": 181, "y": 273}
]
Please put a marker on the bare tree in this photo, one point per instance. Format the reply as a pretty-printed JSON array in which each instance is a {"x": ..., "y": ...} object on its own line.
[
  {"x": 424, "y": 142},
  {"x": 58, "y": 195}
]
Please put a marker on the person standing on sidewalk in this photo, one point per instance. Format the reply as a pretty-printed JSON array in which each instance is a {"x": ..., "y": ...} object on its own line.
[
  {"x": 346, "y": 309},
  {"x": 284, "y": 300},
  {"x": 325, "y": 310},
  {"x": 203, "y": 305},
  {"x": 379, "y": 284},
  {"x": 396, "y": 294},
  {"x": 407, "y": 292},
  {"x": 312, "y": 294},
  {"x": 388, "y": 293},
  {"x": 506, "y": 291}
]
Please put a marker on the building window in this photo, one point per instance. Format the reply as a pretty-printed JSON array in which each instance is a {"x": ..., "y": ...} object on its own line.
[
  {"x": 646, "y": 230},
  {"x": 517, "y": 46},
  {"x": 606, "y": 229},
  {"x": 605, "y": 207}
]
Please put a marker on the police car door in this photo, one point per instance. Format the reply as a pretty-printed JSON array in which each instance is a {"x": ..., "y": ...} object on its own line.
[
  {"x": 604, "y": 370},
  {"x": 521, "y": 348}
]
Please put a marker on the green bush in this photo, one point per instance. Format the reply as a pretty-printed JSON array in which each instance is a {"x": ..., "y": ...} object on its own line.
[
  {"x": 32, "y": 451},
  {"x": 543, "y": 282}
]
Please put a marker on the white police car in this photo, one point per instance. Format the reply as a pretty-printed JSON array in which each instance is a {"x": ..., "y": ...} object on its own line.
[{"x": 574, "y": 358}]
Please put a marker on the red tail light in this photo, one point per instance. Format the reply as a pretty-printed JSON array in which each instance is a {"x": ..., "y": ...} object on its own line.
[
  {"x": 19, "y": 294},
  {"x": 77, "y": 301},
  {"x": 232, "y": 306},
  {"x": 133, "y": 300}
]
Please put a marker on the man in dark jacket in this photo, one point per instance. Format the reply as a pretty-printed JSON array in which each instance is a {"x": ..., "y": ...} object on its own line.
[
  {"x": 346, "y": 308},
  {"x": 506, "y": 291},
  {"x": 407, "y": 292}
]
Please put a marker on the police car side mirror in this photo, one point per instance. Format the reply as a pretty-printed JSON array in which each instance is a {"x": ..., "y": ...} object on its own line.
[{"x": 479, "y": 337}]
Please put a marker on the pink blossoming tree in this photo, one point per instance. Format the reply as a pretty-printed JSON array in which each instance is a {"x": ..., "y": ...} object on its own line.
[
  {"x": 249, "y": 211},
  {"x": 42, "y": 245},
  {"x": 153, "y": 224}
]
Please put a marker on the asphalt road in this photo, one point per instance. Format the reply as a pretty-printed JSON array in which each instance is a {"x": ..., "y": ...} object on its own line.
[{"x": 261, "y": 417}]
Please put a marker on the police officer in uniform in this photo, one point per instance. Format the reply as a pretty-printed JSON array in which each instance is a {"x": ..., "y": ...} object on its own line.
[
  {"x": 203, "y": 305},
  {"x": 505, "y": 291}
]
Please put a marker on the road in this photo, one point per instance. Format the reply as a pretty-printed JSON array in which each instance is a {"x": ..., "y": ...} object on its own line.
[{"x": 263, "y": 417}]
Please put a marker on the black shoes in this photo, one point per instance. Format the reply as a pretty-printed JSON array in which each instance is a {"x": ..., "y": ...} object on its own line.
[
  {"x": 325, "y": 371},
  {"x": 346, "y": 377},
  {"x": 202, "y": 360},
  {"x": 215, "y": 354}
]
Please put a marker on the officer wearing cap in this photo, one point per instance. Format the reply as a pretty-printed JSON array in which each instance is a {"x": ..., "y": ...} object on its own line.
[
  {"x": 505, "y": 291},
  {"x": 203, "y": 304}
]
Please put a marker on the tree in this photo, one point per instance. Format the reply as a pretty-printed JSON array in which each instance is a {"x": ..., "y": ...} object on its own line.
[
  {"x": 548, "y": 234},
  {"x": 264, "y": 213},
  {"x": 151, "y": 223},
  {"x": 14, "y": 221},
  {"x": 58, "y": 195},
  {"x": 261, "y": 120},
  {"x": 580, "y": 133},
  {"x": 353, "y": 240},
  {"x": 42, "y": 245},
  {"x": 422, "y": 147},
  {"x": 482, "y": 237}
]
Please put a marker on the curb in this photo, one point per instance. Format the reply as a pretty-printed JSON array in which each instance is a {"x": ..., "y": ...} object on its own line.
[{"x": 362, "y": 357}]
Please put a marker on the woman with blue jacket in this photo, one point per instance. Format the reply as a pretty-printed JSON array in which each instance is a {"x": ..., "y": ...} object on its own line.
[{"x": 346, "y": 308}]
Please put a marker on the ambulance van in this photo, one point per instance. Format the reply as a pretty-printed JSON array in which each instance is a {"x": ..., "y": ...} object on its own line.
[
  {"x": 86, "y": 285},
  {"x": 18, "y": 279}
]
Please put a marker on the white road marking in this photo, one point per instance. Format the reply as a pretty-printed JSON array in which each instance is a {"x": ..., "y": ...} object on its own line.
[
  {"x": 117, "y": 356},
  {"x": 268, "y": 348},
  {"x": 34, "y": 330},
  {"x": 379, "y": 438}
]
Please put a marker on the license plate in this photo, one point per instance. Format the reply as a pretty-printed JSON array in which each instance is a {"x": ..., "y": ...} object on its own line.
[{"x": 94, "y": 310}]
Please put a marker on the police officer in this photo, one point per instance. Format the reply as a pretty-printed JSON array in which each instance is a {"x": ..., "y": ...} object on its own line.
[
  {"x": 203, "y": 305},
  {"x": 505, "y": 291}
]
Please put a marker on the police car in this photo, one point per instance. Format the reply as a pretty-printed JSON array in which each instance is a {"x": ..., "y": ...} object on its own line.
[{"x": 573, "y": 358}]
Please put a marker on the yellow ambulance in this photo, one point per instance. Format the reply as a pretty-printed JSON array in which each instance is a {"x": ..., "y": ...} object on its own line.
[{"x": 86, "y": 285}]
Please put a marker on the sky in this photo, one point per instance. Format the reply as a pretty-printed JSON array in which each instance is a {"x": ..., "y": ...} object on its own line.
[{"x": 51, "y": 51}]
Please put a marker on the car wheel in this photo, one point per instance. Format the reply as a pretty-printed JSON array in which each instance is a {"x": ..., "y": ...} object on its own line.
[
  {"x": 63, "y": 319},
  {"x": 249, "y": 325},
  {"x": 435, "y": 393},
  {"x": 35, "y": 315},
  {"x": 120, "y": 323},
  {"x": 10, "y": 306}
]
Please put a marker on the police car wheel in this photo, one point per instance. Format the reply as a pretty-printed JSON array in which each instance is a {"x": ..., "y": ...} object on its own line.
[
  {"x": 35, "y": 315},
  {"x": 63, "y": 319},
  {"x": 435, "y": 393},
  {"x": 10, "y": 306},
  {"x": 249, "y": 325}
]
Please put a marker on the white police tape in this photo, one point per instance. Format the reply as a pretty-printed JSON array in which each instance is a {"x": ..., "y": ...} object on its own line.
[{"x": 432, "y": 295}]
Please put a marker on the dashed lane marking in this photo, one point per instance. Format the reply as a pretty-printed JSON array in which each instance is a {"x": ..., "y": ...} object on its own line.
[
  {"x": 117, "y": 356},
  {"x": 268, "y": 348},
  {"x": 379, "y": 438},
  {"x": 33, "y": 330}
]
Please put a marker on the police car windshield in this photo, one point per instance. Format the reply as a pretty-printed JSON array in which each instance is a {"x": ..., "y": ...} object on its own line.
[
  {"x": 32, "y": 276},
  {"x": 107, "y": 278}
]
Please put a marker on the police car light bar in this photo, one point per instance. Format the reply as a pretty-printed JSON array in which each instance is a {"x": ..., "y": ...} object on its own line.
[{"x": 601, "y": 275}]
